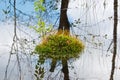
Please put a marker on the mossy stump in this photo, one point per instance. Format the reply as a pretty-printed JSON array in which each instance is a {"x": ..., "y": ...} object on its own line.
[{"x": 60, "y": 46}]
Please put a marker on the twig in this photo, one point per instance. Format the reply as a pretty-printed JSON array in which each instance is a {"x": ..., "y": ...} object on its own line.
[{"x": 109, "y": 46}]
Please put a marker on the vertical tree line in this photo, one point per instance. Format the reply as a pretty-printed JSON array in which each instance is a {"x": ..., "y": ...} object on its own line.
[
  {"x": 114, "y": 38},
  {"x": 64, "y": 22},
  {"x": 14, "y": 46},
  {"x": 64, "y": 26}
]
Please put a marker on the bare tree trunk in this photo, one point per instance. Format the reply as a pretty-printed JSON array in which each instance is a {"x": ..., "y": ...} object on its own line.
[
  {"x": 64, "y": 23},
  {"x": 64, "y": 26},
  {"x": 114, "y": 38},
  {"x": 65, "y": 69},
  {"x": 15, "y": 39}
]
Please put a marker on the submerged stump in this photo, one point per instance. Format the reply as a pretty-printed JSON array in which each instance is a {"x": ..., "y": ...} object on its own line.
[{"x": 60, "y": 47}]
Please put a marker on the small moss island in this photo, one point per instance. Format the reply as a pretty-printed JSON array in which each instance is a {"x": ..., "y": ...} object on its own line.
[{"x": 60, "y": 46}]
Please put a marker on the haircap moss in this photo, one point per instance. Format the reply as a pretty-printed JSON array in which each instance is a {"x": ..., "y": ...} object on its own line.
[{"x": 60, "y": 46}]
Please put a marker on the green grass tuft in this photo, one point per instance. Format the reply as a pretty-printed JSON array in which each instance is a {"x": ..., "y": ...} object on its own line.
[{"x": 60, "y": 47}]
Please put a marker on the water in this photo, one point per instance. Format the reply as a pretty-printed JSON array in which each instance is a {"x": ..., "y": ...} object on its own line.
[{"x": 94, "y": 63}]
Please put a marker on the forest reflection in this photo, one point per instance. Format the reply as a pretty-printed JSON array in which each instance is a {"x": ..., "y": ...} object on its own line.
[{"x": 90, "y": 20}]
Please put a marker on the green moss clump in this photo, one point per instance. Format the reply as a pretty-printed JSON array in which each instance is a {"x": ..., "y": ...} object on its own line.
[{"x": 60, "y": 46}]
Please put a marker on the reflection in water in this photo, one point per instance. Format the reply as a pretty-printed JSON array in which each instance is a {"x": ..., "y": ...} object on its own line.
[
  {"x": 65, "y": 69},
  {"x": 40, "y": 69},
  {"x": 93, "y": 65},
  {"x": 53, "y": 64}
]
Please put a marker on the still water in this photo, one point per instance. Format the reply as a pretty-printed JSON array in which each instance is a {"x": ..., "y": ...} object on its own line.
[{"x": 94, "y": 63}]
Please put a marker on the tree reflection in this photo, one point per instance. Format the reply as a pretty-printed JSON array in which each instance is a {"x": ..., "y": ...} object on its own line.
[
  {"x": 53, "y": 65},
  {"x": 42, "y": 74},
  {"x": 39, "y": 71},
  {"x": 65, "y": 69}
]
